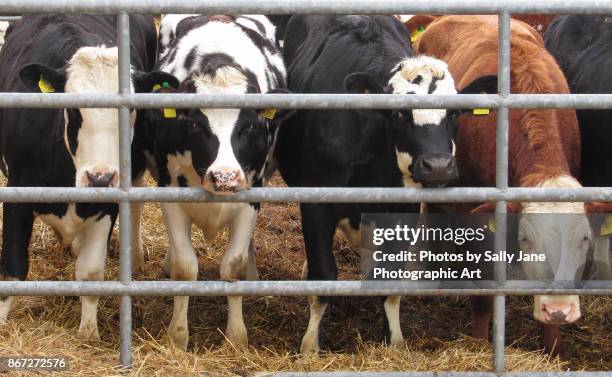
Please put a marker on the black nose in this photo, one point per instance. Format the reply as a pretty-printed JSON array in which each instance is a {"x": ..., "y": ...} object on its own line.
[
  {"x": 436, "y": 169},
  {"x": 99, "y": 179}
]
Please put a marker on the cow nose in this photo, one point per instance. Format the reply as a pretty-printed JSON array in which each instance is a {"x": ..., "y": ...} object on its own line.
[
  {"x": 559, "y": 314},
  {"x": 225, "y": 179},
  {"x": 97, "y": 179},
  {"x": 436, "y": 169}
]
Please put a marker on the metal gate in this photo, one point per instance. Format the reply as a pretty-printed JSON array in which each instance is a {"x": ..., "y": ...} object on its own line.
[{"x": 124, "y": 100}]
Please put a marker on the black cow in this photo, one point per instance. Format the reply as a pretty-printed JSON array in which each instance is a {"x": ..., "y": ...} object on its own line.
[
  {"x": 581, "y": 44},
  {"x": 66, "y": 147},
  {"x": 222, "y": 150},
  {"x": 409, "y": 148}
]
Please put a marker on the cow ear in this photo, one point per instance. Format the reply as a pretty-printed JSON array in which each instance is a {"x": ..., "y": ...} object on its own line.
[
  {"x": 598, "y": 207},
  {"x": 40, "y": 78},
  {"x": 147, "y": 82},
  {"x": 362, "y": 83},
  {"x": 277, "y": 115},
  {"x": 482, "y": 85}
]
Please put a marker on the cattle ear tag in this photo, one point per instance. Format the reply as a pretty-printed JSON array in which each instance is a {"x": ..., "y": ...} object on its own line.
[
  {"x": 491, "y": 225},
  {"x": 606, "y": 227},
  {"x": 416, "y": 34},
  {"x": 45, "y": 86},
  {"x": 481, "y": 111},
  {"x": 269, "y": 114},
  {"x": 169, "y": 113},
  {"x": 156, "y": 87}
]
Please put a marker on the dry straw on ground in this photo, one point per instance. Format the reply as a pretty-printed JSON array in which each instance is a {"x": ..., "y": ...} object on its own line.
[{"x": 435, "y": 329}]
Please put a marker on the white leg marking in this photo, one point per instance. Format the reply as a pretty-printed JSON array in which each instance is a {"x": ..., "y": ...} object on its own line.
[
  {"x": 310, "y": 341},
  {"x": 183, "y": 266},
  {"x": 234, "y": 266},
  {"x": 136, "y": 209},
  {"x": 305, "y": 270},
  {"x": 392, "y": 308},
  {"x": 90, "y": 266},
  {"x": 6, "y": 303}
]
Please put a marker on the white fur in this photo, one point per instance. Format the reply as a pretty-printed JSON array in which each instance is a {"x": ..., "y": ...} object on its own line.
[
  {"x": 167, "y": 29},
  {"x": 429, "y": 69},
  {"x": 95, "y": 70},
  {"x": 404, "y": 160},
  {"x": 560, "y": 238},
  {"x": 3, "y": 26}
]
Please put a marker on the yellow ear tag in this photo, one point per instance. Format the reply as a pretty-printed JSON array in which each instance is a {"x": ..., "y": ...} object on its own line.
[
  {"x": 169, "y": 113},
  {"x": 269, "y": 114},
  {"x": 45, "y": 86},
  {"x": 156, "y": 87},
  {"x": 606, "y": 227},
  {"x": 491, "y": 225},
  {"x": 416, "y": 34},
  {"x": 481, "y": 111}
]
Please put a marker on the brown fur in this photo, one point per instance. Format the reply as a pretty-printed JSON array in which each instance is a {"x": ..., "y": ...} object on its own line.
[{"x": 544, "y": 143}]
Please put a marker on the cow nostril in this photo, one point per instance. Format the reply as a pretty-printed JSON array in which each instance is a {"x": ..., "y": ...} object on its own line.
[
  {"x": 426, "y": 166},
  {"x": 558, "y": 316},
  {"x": 100, "y": 179}
]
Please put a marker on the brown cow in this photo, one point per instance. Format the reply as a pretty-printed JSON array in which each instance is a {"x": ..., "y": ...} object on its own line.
[{"x": 544, "y": 151}]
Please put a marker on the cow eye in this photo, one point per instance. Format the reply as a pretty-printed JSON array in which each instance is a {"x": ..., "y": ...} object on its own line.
[{"x": 418, "y": 80}]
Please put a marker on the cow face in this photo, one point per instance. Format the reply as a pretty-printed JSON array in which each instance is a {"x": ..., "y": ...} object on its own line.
[
  {"x": 91, "y": 135},
  {"x": 560, "y": 231},
  {"x": 230, "y": 148},
  {"x": 423, "y": 138}
]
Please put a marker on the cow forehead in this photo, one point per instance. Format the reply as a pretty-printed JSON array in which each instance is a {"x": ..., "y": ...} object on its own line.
[
  {"x": 222, "y": 121},
  {"x": 434, "y": 79}
]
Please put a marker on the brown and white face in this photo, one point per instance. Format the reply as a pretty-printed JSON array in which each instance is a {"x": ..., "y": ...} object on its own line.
[
  {"x": 91, "y": 135},
  {"x": 560, "y": 231}
]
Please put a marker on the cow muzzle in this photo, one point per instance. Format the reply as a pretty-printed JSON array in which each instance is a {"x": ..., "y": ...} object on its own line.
[
  {"x": 557, "y": 310},
  {"x": 99, "y": 178},
  {"x": 224, "y": 181},
  {"x": 435, "y": 170}
]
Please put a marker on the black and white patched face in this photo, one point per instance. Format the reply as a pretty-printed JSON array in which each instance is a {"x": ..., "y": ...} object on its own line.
[
  {"x": 228, "y": 147},
  {"x": 425, "y": 152},
  {"x": 91, "y": 135}
]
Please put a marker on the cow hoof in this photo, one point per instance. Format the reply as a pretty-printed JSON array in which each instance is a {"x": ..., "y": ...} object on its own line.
[
  {"x": 88, "y": 332},
  {"x": 310, "y": 347},
  {"x": 138, "y": 264},
  {"x": 179, "y": 336},
  {"x": 397, "y": 344},
  {"x": 237, "y": 336}
]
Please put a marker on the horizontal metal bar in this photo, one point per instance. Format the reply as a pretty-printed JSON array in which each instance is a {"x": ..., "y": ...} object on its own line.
[
  {"x": 10, "y": 18},
  {"x": 433, "y": 374},
  {"x": 305, "y": 101},
  {"x": 308, "y": 6},
  {"x": 299, "y": 288},
  {"x": 306, "y": 195}
]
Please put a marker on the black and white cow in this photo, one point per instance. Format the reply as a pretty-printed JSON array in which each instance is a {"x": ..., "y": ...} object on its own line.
[
  {"x": 581, "y": 45},
  {"x": 221, "y": 150},
  {"x": 410, "y": 148},
  {"x": 66, "y": 147}
]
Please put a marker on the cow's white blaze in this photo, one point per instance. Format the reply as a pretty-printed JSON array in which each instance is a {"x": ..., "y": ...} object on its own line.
[
  {"x": 95, "y": 70},
  {"x": 564, "y": 239},
  {"x": 227, "y": 80},
  {"x": 429, "y": 69}
]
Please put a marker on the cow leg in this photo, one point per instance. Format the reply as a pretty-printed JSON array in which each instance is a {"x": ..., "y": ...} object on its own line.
[
  {"x": 393, "y": 330},
  {"x": 183, "y": 266},
  {"x": 17, "y": 223},
  {"x": 93, "y": 242},
  {"x": 136, "y": 210},
  {"x": 237, "y": 264},
  {"x": 482, "y": 307},
  {"x": 318, "y": 227},
  {"x": 167, "y": 264},
  {"x": 551, "y": 339}
]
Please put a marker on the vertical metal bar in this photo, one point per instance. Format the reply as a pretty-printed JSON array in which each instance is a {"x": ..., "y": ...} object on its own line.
[
  {"x": 125, "y": 254},
  {"x": 501, "y": 180}
]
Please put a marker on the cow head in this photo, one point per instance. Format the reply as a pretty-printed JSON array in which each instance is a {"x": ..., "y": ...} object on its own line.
[
  {"x": 563, "y": 233},
  {"x": 423, "y": 138},
  {"x": 230, "y": 148},
  {"x": 91, "y": 135}
]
